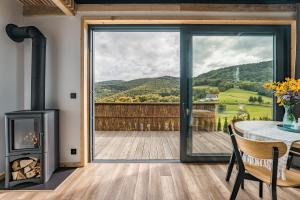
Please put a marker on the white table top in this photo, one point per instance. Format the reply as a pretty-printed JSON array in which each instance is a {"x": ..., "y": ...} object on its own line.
[{"x": 266, "y": 130}]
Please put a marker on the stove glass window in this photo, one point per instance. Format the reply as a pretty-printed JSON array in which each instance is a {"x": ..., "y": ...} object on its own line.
[{"x": 25, "y": 133}]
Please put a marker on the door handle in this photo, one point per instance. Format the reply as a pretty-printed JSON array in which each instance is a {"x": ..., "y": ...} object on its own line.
[
  {"x": 187, "y": 113},
  {"x": 190, "y": 118}
]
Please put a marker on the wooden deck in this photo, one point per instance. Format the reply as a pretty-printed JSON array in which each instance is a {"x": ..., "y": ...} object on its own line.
[
  {"x": 152, "y": 181},
  {"x": 149, "y": 145}
]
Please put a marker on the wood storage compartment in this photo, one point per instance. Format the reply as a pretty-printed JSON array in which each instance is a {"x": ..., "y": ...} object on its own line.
[{"x": 25, "y": 168}]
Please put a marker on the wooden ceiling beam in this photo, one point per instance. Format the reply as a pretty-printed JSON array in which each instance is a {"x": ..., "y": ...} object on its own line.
[
  {"x": 69, "y": 7},
  {"x": 41, "y": 10},
  {"x": 189, "y": 7},
  {"x": 49, "y": 7},
  {"x": 66, "y": 6}
]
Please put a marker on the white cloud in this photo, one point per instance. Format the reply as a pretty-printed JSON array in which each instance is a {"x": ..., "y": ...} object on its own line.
[
  {"x": 216, "y": 52},
  {"x": 133, "y": 55}
]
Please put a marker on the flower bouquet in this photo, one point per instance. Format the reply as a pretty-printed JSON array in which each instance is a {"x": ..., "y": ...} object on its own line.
[{"x": 288, "y": 95}]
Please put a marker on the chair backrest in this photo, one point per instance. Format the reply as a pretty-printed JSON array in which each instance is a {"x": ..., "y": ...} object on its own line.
[{"x": 258, "y": 149}]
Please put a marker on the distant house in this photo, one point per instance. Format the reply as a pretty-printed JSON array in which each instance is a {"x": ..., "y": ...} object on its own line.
[{"x": 212, "y": 97}]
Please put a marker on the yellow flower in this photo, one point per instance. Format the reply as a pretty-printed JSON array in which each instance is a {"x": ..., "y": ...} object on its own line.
[
  {"x": 289, "y": 86},
  {"x": 268, "y": 85}
]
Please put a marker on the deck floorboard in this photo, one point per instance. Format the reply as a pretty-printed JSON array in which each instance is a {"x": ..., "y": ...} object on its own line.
[{"x": 154, "y": 145}]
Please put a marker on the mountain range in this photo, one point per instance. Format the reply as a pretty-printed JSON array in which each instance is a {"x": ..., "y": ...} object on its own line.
[{"x": 167, "y": 85}]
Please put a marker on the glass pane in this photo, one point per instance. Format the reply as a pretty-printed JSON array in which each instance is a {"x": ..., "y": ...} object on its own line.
[
  {"x": 136, "y": 95},
  {"x": 228, "y": 77},
  {"x": 26, "y": 133}
]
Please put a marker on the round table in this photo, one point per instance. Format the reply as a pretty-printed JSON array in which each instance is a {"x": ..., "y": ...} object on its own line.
[{"x": 268, "y": 130}]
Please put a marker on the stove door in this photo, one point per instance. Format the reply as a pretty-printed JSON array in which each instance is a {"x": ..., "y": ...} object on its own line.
[{"x": 24, "y": 133}]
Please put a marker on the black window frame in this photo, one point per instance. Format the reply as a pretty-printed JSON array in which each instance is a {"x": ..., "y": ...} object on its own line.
[
  {"x": 281, "y": 69},
  {"x": 281, "y": 64}
]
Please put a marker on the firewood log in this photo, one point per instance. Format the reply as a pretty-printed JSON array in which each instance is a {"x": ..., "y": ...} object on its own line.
[
  {"x": 33, "y": 164},
  {"x": 25, "y": 163},
  {"x": 27, "y": 169},
  {"x": 20, "y": 176},
  {"x": 16, "y": 165},
  {"x": 37, "y": 169},
  {"x": 33, "y": 158},
  {"x": 31, "y": 174},
  {"x": 15, "y": 175}
]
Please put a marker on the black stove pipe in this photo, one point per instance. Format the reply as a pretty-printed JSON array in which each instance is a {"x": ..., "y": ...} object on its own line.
[{"x": 18, "y": 34}]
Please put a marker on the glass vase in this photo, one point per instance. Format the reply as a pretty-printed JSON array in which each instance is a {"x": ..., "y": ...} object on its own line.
[{"x": 289, "y": 119}]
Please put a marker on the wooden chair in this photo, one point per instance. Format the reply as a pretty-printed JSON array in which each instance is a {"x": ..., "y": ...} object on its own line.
[
  {"x": 294, "y": 152},
  {"x": 232, "y": 160},
  {"x": 261, "y": 150}
]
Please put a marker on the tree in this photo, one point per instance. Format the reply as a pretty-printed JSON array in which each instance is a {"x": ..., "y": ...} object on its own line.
[
  {"x": 219, "y": 125},
  {"x": 199, "y": 93},
  {"x": 250, "y": 99},
  {"x": 221, "y": 108},
  {"x": 225, "y": 127},
  {"x": 260, "y": 100},
  {"x": 213, "y": 91},
  {"x": 248, "y": 116},
  {"x": 254, "y": 99},
  {"x": 234, "y": 118}
]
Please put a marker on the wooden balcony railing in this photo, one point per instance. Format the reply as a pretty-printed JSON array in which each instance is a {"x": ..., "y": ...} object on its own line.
[{"x": 151, "y": 116}]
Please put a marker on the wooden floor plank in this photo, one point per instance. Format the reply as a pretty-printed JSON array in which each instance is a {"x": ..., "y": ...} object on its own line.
[{"x": 152, "y": 181}]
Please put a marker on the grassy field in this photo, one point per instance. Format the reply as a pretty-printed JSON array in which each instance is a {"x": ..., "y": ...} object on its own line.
[
  {"x": 239, "y": 96},
  {"x": 234, "y": 99},
  {"x": 204, "y": 87}
]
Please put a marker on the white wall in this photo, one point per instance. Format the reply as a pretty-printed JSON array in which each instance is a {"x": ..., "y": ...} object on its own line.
[
  {"x": 62, "y": 76},
  {"x": 11, "y": 68},
  {"x": 63, "y": 68}
]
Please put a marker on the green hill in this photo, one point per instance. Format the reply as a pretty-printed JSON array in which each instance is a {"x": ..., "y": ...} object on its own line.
[
  {"x": 164, "y": 86},
  {"x": 161, "y": 85},
  {"x": 253, "y": 72},
  {"x": 251, "y": 77}
]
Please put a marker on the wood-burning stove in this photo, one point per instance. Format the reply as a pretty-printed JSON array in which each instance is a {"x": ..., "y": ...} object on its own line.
[
  {"x": 31, "y": 146},
  {"x": 31, "y": 135}
]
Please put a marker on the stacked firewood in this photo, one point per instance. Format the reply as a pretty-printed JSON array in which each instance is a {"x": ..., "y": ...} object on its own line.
[{"x": 26, "y": 168}]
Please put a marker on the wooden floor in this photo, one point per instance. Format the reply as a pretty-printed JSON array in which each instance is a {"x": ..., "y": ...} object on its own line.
[
  {"x": 147, "y": 145},
  {"x": 149, "y": 181}
]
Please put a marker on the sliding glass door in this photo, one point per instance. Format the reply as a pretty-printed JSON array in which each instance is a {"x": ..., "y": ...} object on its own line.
[
  {"x": 135, "y": 93},
  {"x": 223, "y": 69},
  {"x": 140, "y": 102}
]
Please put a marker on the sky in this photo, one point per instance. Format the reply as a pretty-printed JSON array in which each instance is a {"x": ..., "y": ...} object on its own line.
[{"x": 133, "y": 55}]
